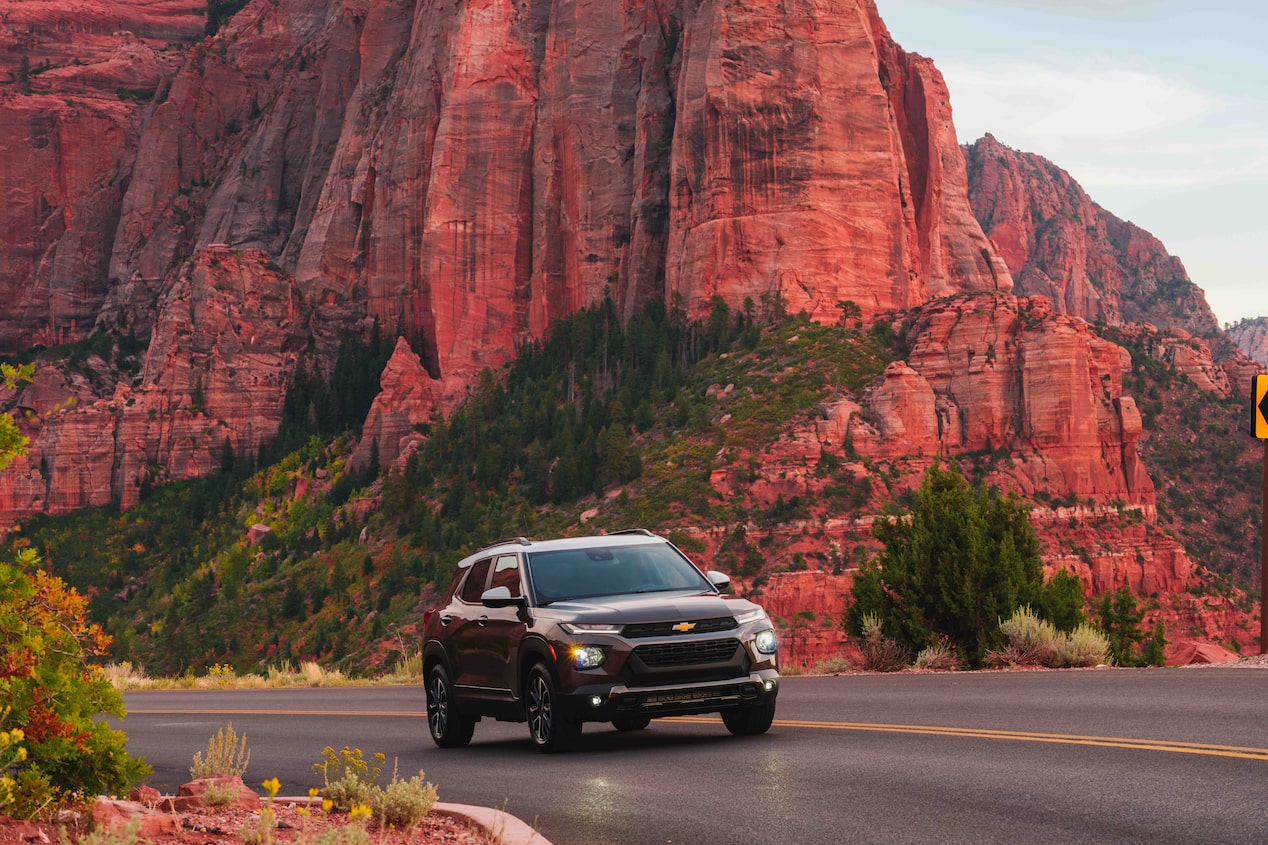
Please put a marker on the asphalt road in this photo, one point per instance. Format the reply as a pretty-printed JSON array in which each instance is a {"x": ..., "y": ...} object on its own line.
[{"x": 1151, "y": 756}]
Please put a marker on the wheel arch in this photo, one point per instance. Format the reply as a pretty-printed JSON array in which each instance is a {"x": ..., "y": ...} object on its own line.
[{"x": 534, "y": 650}]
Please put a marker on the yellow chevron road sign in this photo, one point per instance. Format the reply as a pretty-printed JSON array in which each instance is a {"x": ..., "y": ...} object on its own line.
[{"x": 1259, "y": 398}]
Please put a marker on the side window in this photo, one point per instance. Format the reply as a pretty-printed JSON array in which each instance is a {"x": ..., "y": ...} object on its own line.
[
  {"x": 473, "y": 587},
  {"x": 506, "y": 573}
]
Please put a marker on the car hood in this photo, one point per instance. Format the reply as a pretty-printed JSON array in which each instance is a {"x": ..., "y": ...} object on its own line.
[{"x": 649, "y": 607}]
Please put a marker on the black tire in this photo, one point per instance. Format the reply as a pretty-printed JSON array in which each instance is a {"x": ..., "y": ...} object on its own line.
[
  {"x": 749, "y": 721},
  {"x": 631, "y": 723},
  {"x": 548, "y": 727},
  {"x": 448, "y": 727}
]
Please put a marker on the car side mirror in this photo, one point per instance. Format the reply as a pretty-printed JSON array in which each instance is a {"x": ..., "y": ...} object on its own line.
[
  {"x": 501, "y": 597},
  {"x": 718, "y": 579}
]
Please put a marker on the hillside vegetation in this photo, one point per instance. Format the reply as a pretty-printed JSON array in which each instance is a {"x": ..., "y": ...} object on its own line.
[
  {"x": 599, "y": 413},
  {"x": 599, "y": 426}
]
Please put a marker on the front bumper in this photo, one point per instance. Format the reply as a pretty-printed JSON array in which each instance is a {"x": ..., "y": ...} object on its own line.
[{"x": 608, "y": 701}]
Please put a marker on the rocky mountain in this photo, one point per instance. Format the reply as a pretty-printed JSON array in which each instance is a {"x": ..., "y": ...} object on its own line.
[
  {"x": 1251, "y": 337},
  {"x": 463, "y": 175},
  {"x": 1058, "y": 243}
]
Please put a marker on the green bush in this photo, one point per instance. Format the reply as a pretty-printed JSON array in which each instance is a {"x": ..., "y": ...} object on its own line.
[
  {"x": 954, "y": 564},
  {"x": 53, "y": 696}
]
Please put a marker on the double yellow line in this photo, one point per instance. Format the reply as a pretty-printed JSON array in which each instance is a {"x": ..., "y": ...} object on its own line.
[{"x": 1207, "y": 749}]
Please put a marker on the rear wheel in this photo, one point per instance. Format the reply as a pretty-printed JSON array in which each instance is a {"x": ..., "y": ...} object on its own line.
[
  {"x": 631, "y": 723},
  {"x": 548, "y": 727},
  {"x": 748, "y": 721},
  {"x": 449, "y": 728}
]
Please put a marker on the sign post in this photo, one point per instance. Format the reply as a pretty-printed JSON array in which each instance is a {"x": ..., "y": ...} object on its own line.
[{"x": 1259, "y": 427}]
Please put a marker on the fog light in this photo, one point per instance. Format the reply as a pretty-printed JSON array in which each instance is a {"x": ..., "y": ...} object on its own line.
[
  {"x": 770, "y": 685},
  {"x": 596, "y": 701},
  {"x": 587, "y": 656},
  {"x": 764, "y": 642}
]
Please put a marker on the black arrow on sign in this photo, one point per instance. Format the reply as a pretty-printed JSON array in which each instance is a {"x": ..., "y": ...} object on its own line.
[{"x": 1263, "y": 407}]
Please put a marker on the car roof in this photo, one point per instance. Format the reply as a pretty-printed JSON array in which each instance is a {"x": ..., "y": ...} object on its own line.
[{"x": 637, "y": 537}]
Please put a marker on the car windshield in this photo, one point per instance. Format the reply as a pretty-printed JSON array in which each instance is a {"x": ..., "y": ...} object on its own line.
[{"x": 611, "y": 570}]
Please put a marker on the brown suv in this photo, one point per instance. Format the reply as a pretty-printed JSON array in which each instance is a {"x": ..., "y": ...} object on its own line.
[{"x": 618, "y": 628}]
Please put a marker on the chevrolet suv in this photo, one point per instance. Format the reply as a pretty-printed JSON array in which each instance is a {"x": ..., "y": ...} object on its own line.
[{"x": 618, "y": 628}]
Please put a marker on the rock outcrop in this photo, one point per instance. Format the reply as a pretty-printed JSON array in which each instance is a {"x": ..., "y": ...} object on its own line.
[
  {"x": 228, "y": 334},
  {"x": 997, "y": 374},
  {"x": 1058, "y": 243},
  {"x": 1251, "y": 337}
]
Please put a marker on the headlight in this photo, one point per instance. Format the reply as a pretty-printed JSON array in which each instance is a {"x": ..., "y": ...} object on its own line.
[
  {"x": 587, "y": 656},
  {"x": 590, "y": 628},
  {"x": 764, "y": 642},
  {"x": 750, "y": 615}
]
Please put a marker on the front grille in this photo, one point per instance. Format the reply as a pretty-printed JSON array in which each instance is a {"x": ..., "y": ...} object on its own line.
[
  {"x": 662, "y": 655},
  {"x": 666, "y": 629}
]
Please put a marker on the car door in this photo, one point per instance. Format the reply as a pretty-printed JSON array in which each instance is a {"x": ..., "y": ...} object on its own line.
[
  {"x": 466, "y": 617},
  {"x": 505, "y": 626}
]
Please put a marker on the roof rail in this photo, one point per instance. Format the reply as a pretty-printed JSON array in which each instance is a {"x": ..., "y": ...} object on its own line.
[
  {"x": 642, "y": 531},
  {"x": 520, "y": 541}
]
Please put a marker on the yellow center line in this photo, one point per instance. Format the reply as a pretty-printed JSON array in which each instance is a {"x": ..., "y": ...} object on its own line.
[
  {"x": 1208, "y": 749},
  {"x": 1023, "y": 736},
  {"x": 390, "y": 714}
]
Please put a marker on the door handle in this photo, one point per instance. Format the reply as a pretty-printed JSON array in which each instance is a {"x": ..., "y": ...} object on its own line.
[
  {"x": 445, "y": 619},
  {"x": 483, "y": 620}
]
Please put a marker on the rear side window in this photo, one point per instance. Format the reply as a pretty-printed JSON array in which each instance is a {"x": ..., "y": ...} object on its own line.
[
  {"x": 506, "y": 573},
  {"x": 473, "y": 587}
]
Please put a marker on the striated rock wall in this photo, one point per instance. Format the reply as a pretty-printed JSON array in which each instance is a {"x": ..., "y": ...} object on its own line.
[
  {"x": 228, "y": 334},
  {"x": 761, "y": 157},
  {"x": 78, "y": 80},
  {"x": 469, "y": 173}
]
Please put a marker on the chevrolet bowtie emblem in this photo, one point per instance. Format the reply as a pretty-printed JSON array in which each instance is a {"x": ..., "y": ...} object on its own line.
[{"x": 684, "y": 627}]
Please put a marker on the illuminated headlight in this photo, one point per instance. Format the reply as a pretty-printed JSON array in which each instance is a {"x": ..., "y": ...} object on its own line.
[
  {"x": 587, "y": 657},
  {"x": 590, "y": 628},
  {"x": 764, "y": 642},
  {"x": 750, "y": 616}
]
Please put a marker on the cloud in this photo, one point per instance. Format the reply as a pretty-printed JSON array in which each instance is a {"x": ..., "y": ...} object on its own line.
[
  {"x": 1045, "y": 101},
  {"x": 1110, "y": 127}
]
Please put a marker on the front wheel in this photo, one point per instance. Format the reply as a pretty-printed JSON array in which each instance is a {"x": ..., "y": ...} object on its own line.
[
  {"x": 548, "y": 727},
  {"x": 449, "y": 728},
  {"x": 749, "y": 721}
]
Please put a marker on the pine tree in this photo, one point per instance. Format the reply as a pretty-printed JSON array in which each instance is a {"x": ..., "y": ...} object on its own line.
[
  {"x": 1120, "y": 615},
  {"x": 951, "y": 568}
]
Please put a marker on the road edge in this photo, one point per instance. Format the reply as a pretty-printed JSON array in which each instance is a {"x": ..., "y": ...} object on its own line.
[{"x": 501, "y": 827}]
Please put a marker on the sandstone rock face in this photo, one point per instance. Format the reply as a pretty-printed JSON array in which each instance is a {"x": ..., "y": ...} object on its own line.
[
  {"x": 994, "y": 372},
  {"x": 216, "y": 374},
  {"x": 84, "y": 74},
  {"x": 1251, "y": 337},
  {"x": 1060, "y": 244},
  {"x": 761, "y": 157},
  {"x": 408, "y": 398},
  {"x": 495, "y": 167}
]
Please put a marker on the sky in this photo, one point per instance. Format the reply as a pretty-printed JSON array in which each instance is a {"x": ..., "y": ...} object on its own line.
[{"x": 1158, "y": 108}]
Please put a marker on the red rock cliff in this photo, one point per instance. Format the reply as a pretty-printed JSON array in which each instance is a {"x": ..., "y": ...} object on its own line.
[
  {"x": 80, "y": 78},
  {"x": 1058, "y": 243}
]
